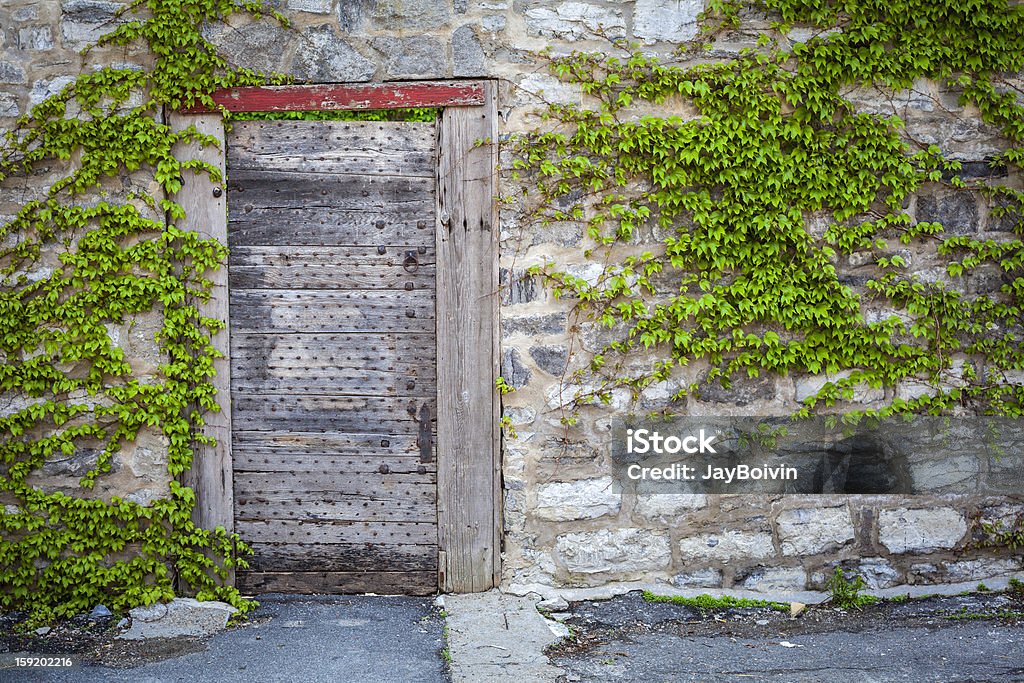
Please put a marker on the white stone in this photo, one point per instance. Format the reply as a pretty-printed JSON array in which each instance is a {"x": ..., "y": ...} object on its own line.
[
  {"x": 563, "y": 501},
  {"x": 575, "y": 20},
  {"x": 814, "y": 530},
  {"x": 546, "y": 88},
  {"x": 668, "y": 506},
  {"x": 702, "y": 578},
  {"x": 8, "y": 108},
  {"x": 747, "y": 545},
  {"x": 614, "y": 551},
  {"x": 950, "y": 474},
  {"x": 906, "y": 531},
  {"x": 520, "y": 416},
  {"x": 671, "y": 20},
  {"x": 311, "y": 6},
  {"x": 810, "y": 385},
  {"x": 179, "y": 617},
  {"x": 878, "y": 573},
  {"x": 43, "y": 89},
  {"x": 975, "y": 570},
  {"x": 775, "y": 579}
]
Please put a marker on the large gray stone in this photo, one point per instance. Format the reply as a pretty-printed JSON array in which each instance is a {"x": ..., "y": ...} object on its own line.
[
  {"x": 550, "y": 359},
  {"x": 517, "y": 287},
  {"x": 516, "y": 374},
  {"x": 35, "y": 38},
  {"x": 416, "y": 57},
  {"x": 397, "y": 15},
  {"x": 742, "y": 390},
  {"x": 956, "y": 210},
  {"x": 614, "y": 551},
  {"x": 920, "y": 530},
  {"x": 814, "y": 530},
  {"x": 11, "y": 73},
  {"x": 179, "y": 617},
  {"x": 670, "y": 20},
  {"x": 1007, "y": 219},
  {"x": 260, "y": 45},
  {"x": 562, "y": 501},
  {"x": 467, "y": 53},
  {"x": 8, "y": 107},
  {"x": 325, "y": 57}
]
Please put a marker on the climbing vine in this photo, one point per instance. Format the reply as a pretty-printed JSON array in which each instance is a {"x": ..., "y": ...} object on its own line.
[
  {"x": 723, "y": 233},
  {"x": 90, "y": 255}
]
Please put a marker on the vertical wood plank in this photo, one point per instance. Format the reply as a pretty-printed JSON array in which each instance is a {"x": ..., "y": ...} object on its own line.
[
  {"x": 210, "y": 474},
  {"x": 467, "y": 349}
]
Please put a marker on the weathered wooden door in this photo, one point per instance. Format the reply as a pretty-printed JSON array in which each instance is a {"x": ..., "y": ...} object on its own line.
[{"x": 331, "y": 227}]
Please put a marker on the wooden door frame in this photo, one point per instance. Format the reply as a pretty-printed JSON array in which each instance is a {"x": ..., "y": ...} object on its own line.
[{"x": 468, "y": 409}]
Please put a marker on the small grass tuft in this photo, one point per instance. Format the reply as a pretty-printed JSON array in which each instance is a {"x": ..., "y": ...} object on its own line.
[
  {"x": 706, "y": 601},
  {"x": 846, "y": 593}
]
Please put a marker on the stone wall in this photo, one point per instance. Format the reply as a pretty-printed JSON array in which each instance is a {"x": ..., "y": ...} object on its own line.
[{"x": 565, "y": 525}]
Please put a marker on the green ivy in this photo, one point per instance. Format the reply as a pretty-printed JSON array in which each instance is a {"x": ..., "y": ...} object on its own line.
[
  {"x": 72, "y": 389},
  {"x": 736, "y": 276}
]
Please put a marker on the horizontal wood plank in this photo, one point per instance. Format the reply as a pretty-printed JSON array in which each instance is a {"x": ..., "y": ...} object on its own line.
[
  {"x": 361, "y": 147},
  {"x": 295, "y": 267},
  {"x": 334, "y": 365},
  {"x": 339, "y": 583},
  {"x": 338, "y": 444},
  {"x": 334, "y": 97},
  {"x": 380, "y": 512},
  {"x": 340, "y": 557},
  {"x": 364, "y": 414},
  {"x": 261, "y": 188},
  {"x": 315, "y": 485},
  {"x": 395, "y": 227},
  {"x": 297, "y": 531},
  {"x": 381, "y": 462},
  {"x": 270, "y": 310}
]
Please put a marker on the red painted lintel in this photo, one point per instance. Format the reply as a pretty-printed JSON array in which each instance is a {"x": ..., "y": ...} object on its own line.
[{"x": 426, "y": 94}]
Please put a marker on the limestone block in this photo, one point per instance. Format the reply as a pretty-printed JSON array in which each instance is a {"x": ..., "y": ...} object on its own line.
[
  {"x": 614, "y": 551},
  {"x": 976, "y": 570},
  {"x": 668, "y": 507},
  {"x": 674, "y": 21},
  {"x": 775, "y": 579},
  {"x": 922, "y": 531},
  {"x": 575, "y": 21},
  {"x": 84, "y": 21},
  {"x": 11, "y": 73},
  {"x": 583, "y": 499},
  {"x": 814, "y": 530},
  {"x": 729, "y": 545},
  {"x": 311, "y": 6},
  {"x": 702, "y": 578},
  {"x": 876, "y": 572}
]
